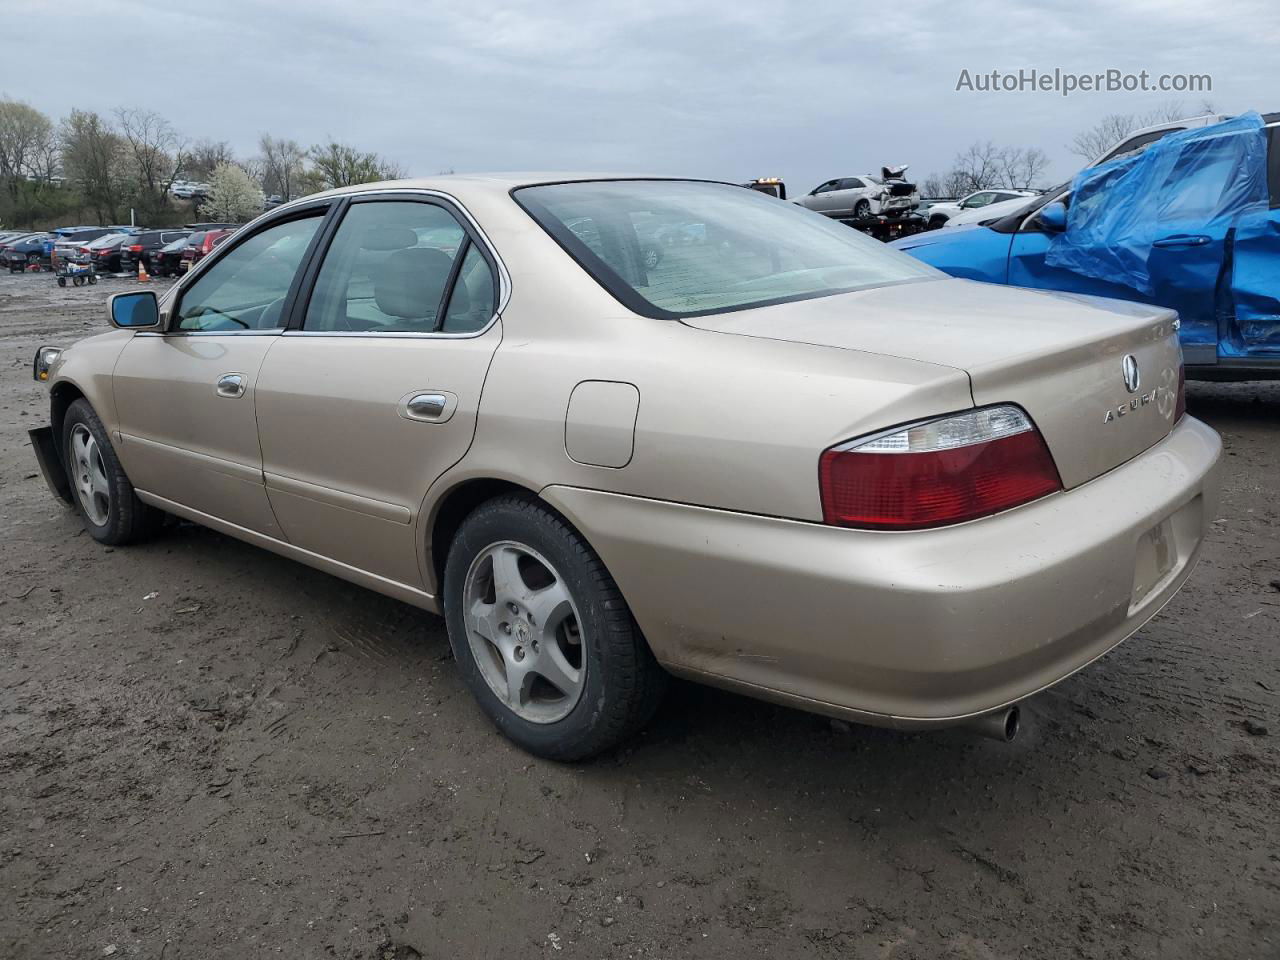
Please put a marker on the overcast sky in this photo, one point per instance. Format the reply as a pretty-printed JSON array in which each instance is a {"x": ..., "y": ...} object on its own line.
[{"x": 728, "y": 90}]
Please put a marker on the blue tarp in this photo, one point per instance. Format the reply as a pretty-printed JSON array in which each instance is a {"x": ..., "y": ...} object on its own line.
[{"x": 1205, "y": 179}]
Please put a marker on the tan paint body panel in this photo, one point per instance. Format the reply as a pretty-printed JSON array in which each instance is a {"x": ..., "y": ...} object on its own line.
[
  {"x": 179, "y": 438},
  {"x": 712, "y": 526},
  {"x": 600, "y": 424},
  {"x": 1056, "y": 355},
  {"x": 927, "y": 626},
  {"x": 345, "y": 472}
]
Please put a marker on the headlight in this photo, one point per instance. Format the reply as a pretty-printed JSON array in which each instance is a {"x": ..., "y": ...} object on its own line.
[{"x": 46, "y": 357}]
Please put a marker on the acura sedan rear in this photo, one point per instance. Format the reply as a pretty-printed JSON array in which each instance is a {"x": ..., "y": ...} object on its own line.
[{"x": 781, "y": 458}]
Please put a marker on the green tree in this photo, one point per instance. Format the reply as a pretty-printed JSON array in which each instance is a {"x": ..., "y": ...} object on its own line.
[
  {"x": 92, "y": 158},
  {"x": 338, "y": 165}
]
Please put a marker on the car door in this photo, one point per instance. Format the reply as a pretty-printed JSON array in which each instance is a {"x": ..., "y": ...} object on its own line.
[
  {"x": 373, "y": 392},
  {"x": 1251, "y": 328},
  {"x": 1187, "y": 263},
  {"x": 185, "y": 397},
  {"x": 848, "y": 192},
  {"x": 824, "y": 198}
]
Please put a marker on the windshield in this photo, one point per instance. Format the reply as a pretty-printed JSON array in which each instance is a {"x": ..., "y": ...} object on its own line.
[{"x": 670, "y": 249}]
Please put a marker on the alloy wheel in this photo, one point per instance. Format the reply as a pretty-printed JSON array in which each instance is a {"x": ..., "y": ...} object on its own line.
[
  {"x": 90, "y": 475},
  {"x": 524, "y": 632}
]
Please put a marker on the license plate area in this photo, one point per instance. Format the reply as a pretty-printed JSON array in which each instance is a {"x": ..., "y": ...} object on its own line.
[{"x": 1164, "y": 550}]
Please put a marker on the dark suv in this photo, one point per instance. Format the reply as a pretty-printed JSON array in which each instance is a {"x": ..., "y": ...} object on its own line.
[{"x": 142, "y": 247}]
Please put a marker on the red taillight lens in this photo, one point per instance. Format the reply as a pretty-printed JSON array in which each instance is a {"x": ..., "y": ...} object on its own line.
[
  {"x": 135, "y": 248},
  {"x": 937, "y": 472},
  {"x": 1180, "y": 405}
]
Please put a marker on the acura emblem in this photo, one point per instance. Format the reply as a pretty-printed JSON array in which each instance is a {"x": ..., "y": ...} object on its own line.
[{"x": 1129, "y": 366}]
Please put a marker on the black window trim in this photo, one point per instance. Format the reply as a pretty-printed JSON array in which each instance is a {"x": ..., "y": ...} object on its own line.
[{"x": 473, "y": 235}]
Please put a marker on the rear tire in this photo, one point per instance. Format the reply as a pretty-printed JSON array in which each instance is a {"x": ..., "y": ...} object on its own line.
[
  {"x": 862, "y": 209},
  {"x": 103, "y": 495},
  {"x": 526, "y": 600}
]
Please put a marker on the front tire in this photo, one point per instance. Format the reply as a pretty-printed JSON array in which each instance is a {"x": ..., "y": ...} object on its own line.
[
  {"x": 542, "y": 635},
  {"x": 104, "y": 497}
]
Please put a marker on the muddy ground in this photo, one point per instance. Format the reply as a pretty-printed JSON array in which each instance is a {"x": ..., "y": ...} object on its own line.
[{"x": 207, "y": 751}]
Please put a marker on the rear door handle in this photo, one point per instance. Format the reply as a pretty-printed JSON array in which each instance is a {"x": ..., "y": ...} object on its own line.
[
  {"x": 1183, "y": 240},
  {"x": 230, "y": 385},
  {"x": 429, "y": 406}
]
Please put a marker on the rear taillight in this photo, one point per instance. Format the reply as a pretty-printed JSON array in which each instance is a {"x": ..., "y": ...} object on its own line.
[
  {"x": 1180, "y": 404},
  {"x": 937, "y": 472},
  {"x": 135, "y": 248}
]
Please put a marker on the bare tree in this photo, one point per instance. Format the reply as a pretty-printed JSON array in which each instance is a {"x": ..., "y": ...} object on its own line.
[
  {"x": 156, "y": 152},
  {"x": 977, "y": 168},
  {"x": 283, "y": 162},
  {"x": 26, "y": 141},
  {"x": 1114, "y": 127},
  {"x": 205, "y": 156},
  {"x": 1020, "y": 167},
  {"x": 91, "y": 156}
]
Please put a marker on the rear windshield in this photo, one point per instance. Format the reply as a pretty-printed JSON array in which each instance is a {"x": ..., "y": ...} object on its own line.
[{"x": 672, "y": 249}]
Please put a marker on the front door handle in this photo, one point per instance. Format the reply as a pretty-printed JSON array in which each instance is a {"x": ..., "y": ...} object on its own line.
[
  {"x": 1183, "y": 240},
  {"x": 230, "y": 385}
]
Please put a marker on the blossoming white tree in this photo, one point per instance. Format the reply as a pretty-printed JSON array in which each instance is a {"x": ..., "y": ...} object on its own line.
[{"x": 233, "y": 196}]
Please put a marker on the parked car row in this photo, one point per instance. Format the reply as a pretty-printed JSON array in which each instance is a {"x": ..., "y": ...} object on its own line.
[
  {"x": 22, "y": 251},
  {"x": 165, "y": 251}
]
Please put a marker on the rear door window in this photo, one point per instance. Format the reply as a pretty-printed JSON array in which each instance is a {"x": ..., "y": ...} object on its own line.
[{"x": 390, "y": 269}]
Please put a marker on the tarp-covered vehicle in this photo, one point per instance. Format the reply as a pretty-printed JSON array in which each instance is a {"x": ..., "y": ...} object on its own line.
[{"x": 1191, "y": 223}]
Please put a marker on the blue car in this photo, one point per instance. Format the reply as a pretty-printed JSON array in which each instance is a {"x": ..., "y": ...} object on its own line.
[{"x": 1192, "y": 223}]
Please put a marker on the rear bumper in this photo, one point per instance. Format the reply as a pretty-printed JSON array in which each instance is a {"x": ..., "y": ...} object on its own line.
[{"x": 909, "y": 629}]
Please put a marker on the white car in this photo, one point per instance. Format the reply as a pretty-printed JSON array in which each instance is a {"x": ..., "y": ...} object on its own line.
[
  {"x": 992, "y": 211},
  {"x": 863, "y": 196},
  {"x": 940, "y": 213}
]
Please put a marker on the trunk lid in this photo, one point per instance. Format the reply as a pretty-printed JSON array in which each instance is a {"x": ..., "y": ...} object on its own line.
[{"x": 1059, "y": 356}]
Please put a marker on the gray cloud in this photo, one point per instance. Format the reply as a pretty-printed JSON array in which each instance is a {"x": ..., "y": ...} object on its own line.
[{"x": 718, "y": 89}]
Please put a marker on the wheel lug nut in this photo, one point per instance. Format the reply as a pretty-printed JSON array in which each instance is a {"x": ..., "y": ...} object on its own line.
[
  {"x": 519, "y": 653},
  {"x": 504, "y": 627},
  {"x": 513, "y": 608}
]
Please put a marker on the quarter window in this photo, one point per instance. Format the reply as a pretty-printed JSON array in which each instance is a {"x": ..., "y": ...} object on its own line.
[
  {"x": 471, "y": 303},
  {"x": 388, "y": 270},
  {"x": 246, "y": 289}
]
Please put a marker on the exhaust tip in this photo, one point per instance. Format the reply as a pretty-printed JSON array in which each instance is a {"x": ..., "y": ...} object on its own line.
[
  {"x": 1003, "y": 725},
  {"x": 1012, "y": 721}
]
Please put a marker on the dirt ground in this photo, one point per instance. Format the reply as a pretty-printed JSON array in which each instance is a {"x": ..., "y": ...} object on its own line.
[{"x": 207, "y": 751}]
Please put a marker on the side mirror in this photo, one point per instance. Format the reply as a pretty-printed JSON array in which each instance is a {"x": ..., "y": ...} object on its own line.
[
  {"x": 1053, "y": 217},
  {"x": 135, "y": 311}
]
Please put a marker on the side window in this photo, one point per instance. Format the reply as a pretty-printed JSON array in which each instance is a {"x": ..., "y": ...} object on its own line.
[
  {"x": 852, "y": 183},
  {"x": 246, "y": 289},
  {"x": 471, "y": 303},
  {"x": 826, "y": 187},
  {"x": 387, "y": 269}
]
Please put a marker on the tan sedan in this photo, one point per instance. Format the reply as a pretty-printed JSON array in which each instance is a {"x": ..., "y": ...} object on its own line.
[{"x": 614, "y": 428}]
